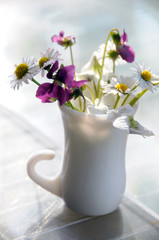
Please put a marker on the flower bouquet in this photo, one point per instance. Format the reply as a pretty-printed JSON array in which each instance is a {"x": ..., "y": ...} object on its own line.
[
  {"x": 98, "y": 108},
  {"x": 97, "y": 87}
]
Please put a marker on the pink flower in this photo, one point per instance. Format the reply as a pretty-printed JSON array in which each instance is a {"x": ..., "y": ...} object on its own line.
[{"x": 63, "y": 41}]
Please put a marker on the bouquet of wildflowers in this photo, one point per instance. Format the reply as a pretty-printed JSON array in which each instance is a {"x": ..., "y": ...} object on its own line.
[{"x": 97, "y": 89}]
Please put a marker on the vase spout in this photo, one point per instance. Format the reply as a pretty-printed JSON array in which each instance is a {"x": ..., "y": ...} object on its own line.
[{"x": 51, "y": 185}]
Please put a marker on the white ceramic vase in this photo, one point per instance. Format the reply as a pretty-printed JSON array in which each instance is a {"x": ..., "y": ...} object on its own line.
[{"x": 92, "y": 180}]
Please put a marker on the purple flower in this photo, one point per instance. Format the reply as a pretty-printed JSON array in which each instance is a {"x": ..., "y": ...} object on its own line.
[
  {"x": 125, "y": 51},
  {"x": 53, "y": 69},
  {"x": 66, "y": 76},
  {"x": 43, "y": 92},
  {"x": 58, "y": 39},
  {"x": 48, "y": 92},
  {"x": 63, "y": 41},
  {"x": 124, "y": 37}
]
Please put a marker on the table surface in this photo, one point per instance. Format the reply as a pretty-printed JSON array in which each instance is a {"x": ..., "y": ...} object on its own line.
[{"x": 29, "y": 212}]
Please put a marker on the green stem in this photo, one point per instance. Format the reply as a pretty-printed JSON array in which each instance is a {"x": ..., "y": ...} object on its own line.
[
  {"x": 80, "y": 103},
  {"x": 139, "y": 95},
  {"x": 128, "y": 95},
  {"x": 117, "y": 100},
  {"x": 100, "y": 95},
  {"x": 84, "y": 108},
  {"x": 105, "y": 48},
  {"x": 91, "y": 92},
  {"x": 33, "y": 80},
  {"x": 95, "y": 89},
  {"x": 69, "y": 104},
  {"x": 72, "y": 61},
  {"x": 71, "y": 55},
  {"x": 134, "y": 87},
  {"x": 113, "y": 66}
]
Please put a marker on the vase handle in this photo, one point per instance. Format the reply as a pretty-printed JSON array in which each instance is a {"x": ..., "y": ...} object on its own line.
[{"x": 51, "y": 185}]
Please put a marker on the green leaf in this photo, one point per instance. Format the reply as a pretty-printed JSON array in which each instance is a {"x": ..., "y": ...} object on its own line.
[{"x": 139, "y": 95}]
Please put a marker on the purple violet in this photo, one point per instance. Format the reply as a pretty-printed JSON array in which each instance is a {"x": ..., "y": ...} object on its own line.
[
  {"x": 62, "y": 40},
  {"x": 48, "y": 92},
  {"x": 66, "y": 75},
  {"x": 125, "y": 51}
]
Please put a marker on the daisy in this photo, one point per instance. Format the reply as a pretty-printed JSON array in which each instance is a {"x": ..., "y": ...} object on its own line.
[
  {"x": 24, "y": 71},
  {"x": 145, "y": 77},
  {"x": 48, "y": 58},
  {"x": 119, "y": 85}
]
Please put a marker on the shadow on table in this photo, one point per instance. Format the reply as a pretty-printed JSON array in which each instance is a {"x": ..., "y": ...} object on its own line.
[{"x": 66, "y": 224}]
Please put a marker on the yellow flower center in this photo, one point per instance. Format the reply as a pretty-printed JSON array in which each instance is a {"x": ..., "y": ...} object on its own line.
[
  {"x": 146, "y": 75},
  {"x": 121, "y": 87},
  {"x": 42, "y": 61},
  {"x": 21, "y": 70}
]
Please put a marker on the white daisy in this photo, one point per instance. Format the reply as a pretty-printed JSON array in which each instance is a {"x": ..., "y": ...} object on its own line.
[
  {"x": 24, "y": 71},
  {"x": 145, "y": 77},
  {"x": 48, "y": 58},
  {"x": 119, "y": 85}
]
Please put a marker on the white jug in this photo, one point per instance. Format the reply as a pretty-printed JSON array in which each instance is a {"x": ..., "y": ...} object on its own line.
[{"x": 92, "y": 180}]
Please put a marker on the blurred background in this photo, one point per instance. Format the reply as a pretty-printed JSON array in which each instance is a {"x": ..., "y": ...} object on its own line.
[{"x": 26, "y": 30}]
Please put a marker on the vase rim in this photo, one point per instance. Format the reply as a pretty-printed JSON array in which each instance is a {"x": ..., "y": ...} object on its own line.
[{"x": 68, "y": 110}]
